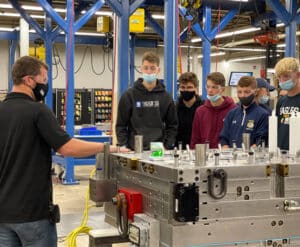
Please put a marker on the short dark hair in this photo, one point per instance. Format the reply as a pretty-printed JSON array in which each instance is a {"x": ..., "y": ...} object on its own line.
[
  {"x": 26, "y": 65},
  {"x": 247, "y": 81},
  {"x": 188, "y": 77},
  {"x": 151, "y": 57},
  {"x": 217, "y": 77}
]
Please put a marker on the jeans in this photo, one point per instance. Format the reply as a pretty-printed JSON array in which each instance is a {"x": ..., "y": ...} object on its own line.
[{"x": 39, "y": 233}]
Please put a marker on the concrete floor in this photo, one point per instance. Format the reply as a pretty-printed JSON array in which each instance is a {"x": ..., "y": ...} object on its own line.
[{"x": 71, "y": 199}]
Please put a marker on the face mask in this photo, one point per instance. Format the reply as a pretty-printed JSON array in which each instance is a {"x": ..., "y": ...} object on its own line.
[
  {"x": 214, "y": 98},
  {"x": 264, "y": 99},
  {"x": 40, "y": 91},
  {"x": 149, "y": 78},
  {"x": 287, "y": 85},
  {"x": 187, "y": 95},
  {"x": 246, "y": 101}
]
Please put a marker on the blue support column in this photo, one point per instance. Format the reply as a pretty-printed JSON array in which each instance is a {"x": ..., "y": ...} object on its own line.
[
  {"x": 290, "y": 30},
  {"x": 70, "y": 86},
  {"x": 48, "y": 47},
  {"x": 206, "y": 49},
  {"x": 132, "y": 59},
  {"x": 123, "y": 48},
  {"x": 12, "y": 52},
  {"x": 171, "y": 46},
  {"x": 289, "y": 17},
  {"x": 207, "y": 35},
  {"x": 123, "y": 10}
]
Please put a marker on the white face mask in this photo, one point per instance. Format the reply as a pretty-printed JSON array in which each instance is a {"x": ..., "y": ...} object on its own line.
[
  {"x": 149, "y": 78},
  {"x": 214, "y": 98}
]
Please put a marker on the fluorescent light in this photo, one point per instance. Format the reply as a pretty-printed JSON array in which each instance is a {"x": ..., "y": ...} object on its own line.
[
  {"x": 246, "y": 59},
  {"x": 158, "y": 17},
  {"x": 6, "y": 6},
  {"x": 232, "y": 33},
  {"x": 101, "y": 13},
  {"x": 18, "y": 15},
  {"x": 213, "y": 54},
  {"x": 241, "y": 49},
  {"x": 89, "y": 34},
  {"x": 7, "y": 29}
]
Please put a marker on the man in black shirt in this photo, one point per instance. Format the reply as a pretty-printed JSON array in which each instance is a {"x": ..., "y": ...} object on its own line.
[
  {"x": 28, "y": 132},
  {"x": 287, "y": 72}
]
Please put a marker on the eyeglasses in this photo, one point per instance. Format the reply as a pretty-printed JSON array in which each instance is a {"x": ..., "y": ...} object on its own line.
[{"x": 151, "y": 68}]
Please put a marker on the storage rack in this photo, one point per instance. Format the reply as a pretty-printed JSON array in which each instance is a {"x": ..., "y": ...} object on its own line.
[
  {"x": 102, "y": 105},
  {"x": 82, "y": 106}
]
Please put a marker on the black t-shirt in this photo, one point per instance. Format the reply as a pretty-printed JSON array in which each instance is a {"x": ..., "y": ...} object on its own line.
[
  {"x": 28, "y": 131},
  {"x": 285, "y": 107}
]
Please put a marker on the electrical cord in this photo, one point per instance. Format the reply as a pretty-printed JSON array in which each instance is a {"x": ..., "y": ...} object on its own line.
[{"x": 83, "y": 228}]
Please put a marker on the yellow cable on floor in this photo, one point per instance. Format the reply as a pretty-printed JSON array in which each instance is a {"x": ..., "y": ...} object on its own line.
[{"x": 83, "y": 228}]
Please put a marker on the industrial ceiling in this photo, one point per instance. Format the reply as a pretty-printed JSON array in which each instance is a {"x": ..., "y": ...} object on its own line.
[{"x": 232, "y": 42}]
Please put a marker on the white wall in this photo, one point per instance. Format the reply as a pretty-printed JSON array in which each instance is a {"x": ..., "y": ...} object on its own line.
[{"x": 85, "y": 78}]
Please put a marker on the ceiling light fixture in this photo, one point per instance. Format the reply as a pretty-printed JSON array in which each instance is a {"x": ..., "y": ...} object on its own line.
[
  {"x": 246, "y": 59},
  {"x": 214, "y": 54},
  {"x": 232, "y": 33}
]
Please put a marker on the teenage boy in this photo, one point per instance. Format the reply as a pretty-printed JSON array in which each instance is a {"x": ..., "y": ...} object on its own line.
[
  {"x": 186, "y": 106},
  {"x": 246, "y": 118},
  {"x": 209, "y": 118}
]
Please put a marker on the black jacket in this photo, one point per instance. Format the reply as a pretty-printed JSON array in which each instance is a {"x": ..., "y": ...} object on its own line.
[
  {"x": 185, "y": 120},
  {"x": 151, "y": 114}
]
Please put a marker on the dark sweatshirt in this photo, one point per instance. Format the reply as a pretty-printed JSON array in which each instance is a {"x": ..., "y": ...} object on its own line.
[
  {"x": 151, "y": 114},
  {"x": 185, "y": 120},
  {"x": 253, "y": 120},
  {"x": 208, "y": 122}
]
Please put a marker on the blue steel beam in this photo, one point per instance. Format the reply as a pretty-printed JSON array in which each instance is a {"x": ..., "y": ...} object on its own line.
[
  {"x": 279, "y": 10},
  {"x": 70, "y": 86},
  {"x": 225, "y": 20},
  {"x": 171, "y": 46},
  {"x": 135, "y": 5},
  {"x": 132, "y": 60},
  {"x": 183, "y": 34},
  {"x": 9, "y": 35},
  {"x": 48, "y": 47},
  {"x": 206, "y": 49},
  {"x": 290, "y": 30},
  {"x": 12, "y": 52},
  {"x": 84, "y": 18},
  {"x": 27, "y": 17},
  {"x": 116, "y": 6},
  {"x": 158, "y": 29},
  {"x": 53, "y": 14},
  {"x": 79, "y": 39},
  {"x": 123, "y": 48}
]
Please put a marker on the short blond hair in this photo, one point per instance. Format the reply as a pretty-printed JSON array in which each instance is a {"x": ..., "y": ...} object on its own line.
[{"x": 286, "y": 65}]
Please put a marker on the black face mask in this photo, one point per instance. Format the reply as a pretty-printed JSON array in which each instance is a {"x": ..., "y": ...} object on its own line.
[
  {"x": 40, "y": 91},
  {"x": 187, "y": 95},
  {"x": 246, "y": 101}
]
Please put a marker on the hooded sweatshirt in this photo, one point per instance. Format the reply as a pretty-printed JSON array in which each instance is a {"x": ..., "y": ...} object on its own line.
[
  {"x": 185, "y": 120},
  {"x": 208, "y": 122},
  {"x": 151, "y": 114}
]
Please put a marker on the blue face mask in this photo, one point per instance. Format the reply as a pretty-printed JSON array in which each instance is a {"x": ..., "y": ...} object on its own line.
[
  {"x": 214, "y": 98},
  {"x": 149, "y": 78},
  {"x": 264, "y": 99},
  {"x": 287, "y": 85}
]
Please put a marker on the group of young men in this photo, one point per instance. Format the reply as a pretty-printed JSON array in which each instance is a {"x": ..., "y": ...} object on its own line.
[
  {"x": 29, "y": 131},
  {"x": 147, "y": 109}
]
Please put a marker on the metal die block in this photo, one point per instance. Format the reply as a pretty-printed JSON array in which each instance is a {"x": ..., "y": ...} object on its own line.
[{"x": 102, "y": 190}]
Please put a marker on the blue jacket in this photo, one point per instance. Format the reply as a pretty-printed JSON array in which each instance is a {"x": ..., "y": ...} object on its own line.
[{"x": 253, "y": 120}]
